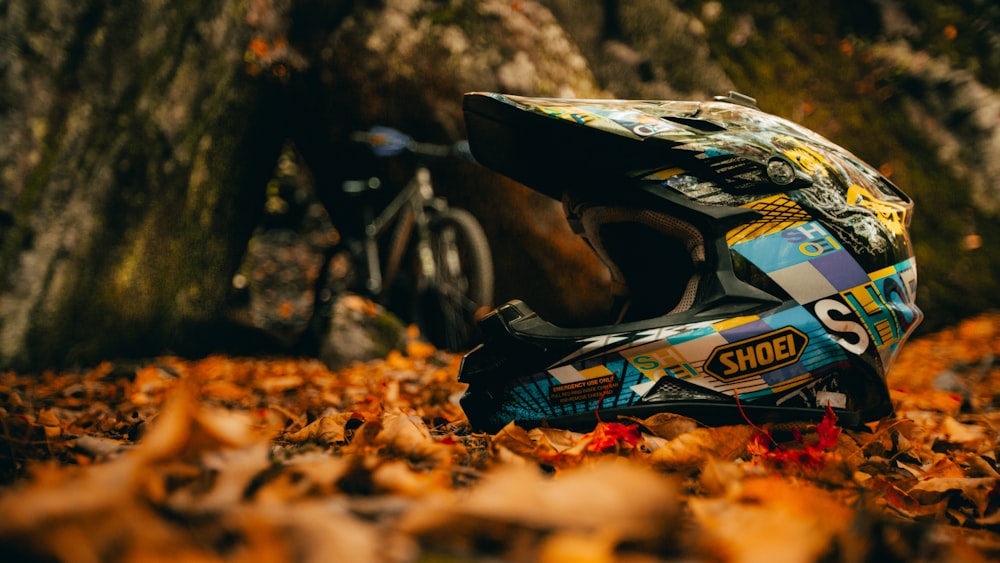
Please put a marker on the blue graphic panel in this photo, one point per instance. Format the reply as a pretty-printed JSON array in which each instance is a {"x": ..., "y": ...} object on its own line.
[
  {"x": 840, "y": 269},
  {"x": 691, "y": 335},
  {"x": 789, "y": 247},
  {"x": 744, "y": 331}
]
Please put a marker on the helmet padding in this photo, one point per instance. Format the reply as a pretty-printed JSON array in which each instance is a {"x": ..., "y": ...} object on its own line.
[{"x": 655, "y": 259}]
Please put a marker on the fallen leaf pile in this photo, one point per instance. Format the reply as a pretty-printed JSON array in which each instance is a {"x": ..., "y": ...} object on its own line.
[{"x": 250, "y": 459}]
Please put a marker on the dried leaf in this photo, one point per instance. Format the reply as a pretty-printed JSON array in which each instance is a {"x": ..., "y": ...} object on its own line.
[
  {"x": 328, "y": 429},
  {"x": 770, "y": 520},
  {"x": 611, "y": 496},
  {"x": 613, "y": 436},
  {"x": 966, "y": 435},
  {"x": 693, "y": 449},
  {"x": 234, "y": 470},
  {"x": 898, "y": 500},
  {"x": 667, "y": 425},
  {"x": 801, "y": 454},
  {"x": 976, "y": 490},
  {"x": 186, "y": 428},
  {"x": 409, "y": 436},
  {"x": 170, "y": 474},
  {"x": 561, "y": 547},
  {"x": 306, "y": 475}
]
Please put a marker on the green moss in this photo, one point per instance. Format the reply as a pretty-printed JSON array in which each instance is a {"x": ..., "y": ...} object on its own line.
[{"x": 455, "y": 12}]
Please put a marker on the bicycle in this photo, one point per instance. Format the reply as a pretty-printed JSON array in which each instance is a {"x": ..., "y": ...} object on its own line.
[{"x": 436, "y": 268}]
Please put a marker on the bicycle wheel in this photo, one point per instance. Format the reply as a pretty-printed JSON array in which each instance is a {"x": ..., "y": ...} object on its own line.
[{"x": 463, "y": 280}]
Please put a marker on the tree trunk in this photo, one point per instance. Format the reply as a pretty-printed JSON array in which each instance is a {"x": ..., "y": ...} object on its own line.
[{"x": 132, "y": 145}]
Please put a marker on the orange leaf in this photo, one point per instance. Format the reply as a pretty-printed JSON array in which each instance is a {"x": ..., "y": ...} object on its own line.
[
  {"x": 616, "y": 435},
  {"x": 259, "y": 47}
]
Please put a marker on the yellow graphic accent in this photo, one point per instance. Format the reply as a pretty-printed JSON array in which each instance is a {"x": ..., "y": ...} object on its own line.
[
  {"x": 866, "y": 300},
  {"x": 659, "y": 359},
  {"x": 663, "y": 174},
  {"x": 883, "y": 273},
  {"x": 778, "y": 213},
  {"x": 596, "y": 371},
  {"x": 877, "y": 317},
  {"x": 574, "y": 114},
  {"x": 789, "y": 383},
  {"x": 811, "y": 161},
  {"x": 892, "y": 215},
  {"x": 884, "y": 329},
  {"x": 734, "y": 322}
]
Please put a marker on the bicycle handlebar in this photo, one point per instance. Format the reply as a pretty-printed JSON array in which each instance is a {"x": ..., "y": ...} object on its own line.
[{"x": 386, "y": 142}]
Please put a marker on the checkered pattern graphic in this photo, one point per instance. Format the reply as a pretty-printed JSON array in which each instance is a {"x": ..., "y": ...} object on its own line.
[{"x": 777, "y": 214}]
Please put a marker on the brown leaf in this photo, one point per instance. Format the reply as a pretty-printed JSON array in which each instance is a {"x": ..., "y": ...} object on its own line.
[
  {"x": 694, "y": 448},
  {"x": 305, "y": 475},
  {"x": 515, "y": 439},
  {"x": 554, "y": 446},
  {"x": 328, "y": 429},
  {"x": 233, "y": 471},
  {"x": 408, "y": 435},
  {"x": 968, "y": 436},
  {"x": 398, "y": 477},
  {"x": 976, "y": 490},
  {"x": 667, "y": 425}
]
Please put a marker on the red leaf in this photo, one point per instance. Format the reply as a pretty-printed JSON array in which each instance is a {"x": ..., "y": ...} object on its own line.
[
  {"x": 609, "y": 435},
  {"x": 827, "y": 430},
  {"x": 810, "y": 456}
]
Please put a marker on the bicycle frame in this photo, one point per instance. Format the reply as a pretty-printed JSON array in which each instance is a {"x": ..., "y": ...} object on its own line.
[
  {"x": 409, "y": 207},
  {"x": 452, "y": 273}
]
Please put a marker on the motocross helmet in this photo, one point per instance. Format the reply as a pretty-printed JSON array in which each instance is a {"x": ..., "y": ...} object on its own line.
[{"x": 760, "y": 271}]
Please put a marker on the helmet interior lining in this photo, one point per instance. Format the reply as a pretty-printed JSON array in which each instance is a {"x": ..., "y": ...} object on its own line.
[{"x": 654, "y": 259}]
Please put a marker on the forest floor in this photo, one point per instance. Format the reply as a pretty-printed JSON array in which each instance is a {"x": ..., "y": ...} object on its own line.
[{"x": 240, "y": 459}]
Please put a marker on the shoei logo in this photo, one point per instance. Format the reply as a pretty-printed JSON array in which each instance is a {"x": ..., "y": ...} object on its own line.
[{"x": 757, "y": 355}]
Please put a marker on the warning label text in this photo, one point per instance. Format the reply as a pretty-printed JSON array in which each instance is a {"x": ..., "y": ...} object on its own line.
[{"x": 585, "y": 390}]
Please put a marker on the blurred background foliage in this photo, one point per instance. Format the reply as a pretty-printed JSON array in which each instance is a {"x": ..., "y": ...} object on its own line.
[{"x": 819, "y": 64}]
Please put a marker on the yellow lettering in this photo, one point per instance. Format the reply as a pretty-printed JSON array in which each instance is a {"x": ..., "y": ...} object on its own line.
[
  {"x": 765, "y": 353},
  {"x": 746, "y": 359},
  {"x": 645, "y": 363},
  {"x": 727, "y": 360},
  {"x": 781, "y": 348}
]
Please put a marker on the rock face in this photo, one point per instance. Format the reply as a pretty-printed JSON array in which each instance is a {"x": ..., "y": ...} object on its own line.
[
  {"x": 136, "y": 140},
  {"x": 130, "y": 151}
]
